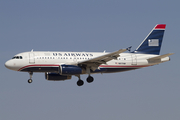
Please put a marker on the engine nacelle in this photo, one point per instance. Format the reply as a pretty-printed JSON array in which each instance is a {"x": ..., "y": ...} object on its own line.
[
  {"x": 70, "y": 70},
  {"x": 56, "y": 77}
]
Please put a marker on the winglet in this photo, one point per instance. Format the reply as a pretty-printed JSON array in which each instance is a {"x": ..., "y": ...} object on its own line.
[{"x": 129, "y": 48}]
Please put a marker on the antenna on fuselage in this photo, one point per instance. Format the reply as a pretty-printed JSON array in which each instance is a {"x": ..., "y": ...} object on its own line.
[{"x": 32, "y": 50}]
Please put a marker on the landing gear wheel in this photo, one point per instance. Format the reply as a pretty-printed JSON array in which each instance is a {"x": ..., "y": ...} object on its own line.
[
  {"x": 30, "y": 81},
  {"x": 80, "y": 82},
  {"x": 90, "y": 79}
]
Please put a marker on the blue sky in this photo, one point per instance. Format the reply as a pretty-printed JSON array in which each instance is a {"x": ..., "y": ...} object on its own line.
[{"x": 96, "y": 25}]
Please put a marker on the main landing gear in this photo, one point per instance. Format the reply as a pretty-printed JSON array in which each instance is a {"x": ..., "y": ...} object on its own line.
[
  {"x": 81, "y": 82},
  {"x": 30, "y": 80}
]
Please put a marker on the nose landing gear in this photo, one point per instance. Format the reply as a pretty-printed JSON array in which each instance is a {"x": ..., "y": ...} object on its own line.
[{"x": 30, "y": 80}]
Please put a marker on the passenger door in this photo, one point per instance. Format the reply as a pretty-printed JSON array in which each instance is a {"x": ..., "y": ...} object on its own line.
[{"x": 31, "y": 58}]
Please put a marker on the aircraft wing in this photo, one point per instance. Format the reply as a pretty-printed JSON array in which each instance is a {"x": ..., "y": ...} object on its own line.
[{"x": 94, "y": 63}]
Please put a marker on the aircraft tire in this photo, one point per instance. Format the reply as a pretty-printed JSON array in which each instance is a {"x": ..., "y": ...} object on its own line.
[
  {"x": 80, "y": 82},
  {"x": 90, "y": 79}
]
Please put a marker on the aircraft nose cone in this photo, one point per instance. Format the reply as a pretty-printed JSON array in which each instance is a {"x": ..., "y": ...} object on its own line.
[
  {"x": 10, "y": 65},
  {"x": 7, "y": 65}
]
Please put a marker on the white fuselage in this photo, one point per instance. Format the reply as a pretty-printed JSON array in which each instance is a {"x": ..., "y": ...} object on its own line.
[{"x": 45, "y": 61}]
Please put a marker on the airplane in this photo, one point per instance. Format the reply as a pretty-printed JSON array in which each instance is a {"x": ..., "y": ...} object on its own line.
[{"x": 60, "y": 66}]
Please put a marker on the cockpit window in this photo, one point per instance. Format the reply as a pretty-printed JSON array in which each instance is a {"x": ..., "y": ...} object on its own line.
[{"x": 17, "y": 57}]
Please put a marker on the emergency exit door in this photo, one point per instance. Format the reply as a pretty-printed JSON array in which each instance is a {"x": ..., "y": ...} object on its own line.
[{"x": 134, "y": 59}]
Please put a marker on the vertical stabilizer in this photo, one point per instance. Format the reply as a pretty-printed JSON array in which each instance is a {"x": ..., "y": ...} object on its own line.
[{"x": 152, "y": 43}]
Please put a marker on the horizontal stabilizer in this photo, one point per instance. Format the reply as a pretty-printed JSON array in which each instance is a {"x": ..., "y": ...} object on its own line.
[{"x": 161, "y": 56}]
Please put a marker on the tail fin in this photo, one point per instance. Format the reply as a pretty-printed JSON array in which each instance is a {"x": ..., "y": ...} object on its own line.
[{"x": 152, "y": 43}]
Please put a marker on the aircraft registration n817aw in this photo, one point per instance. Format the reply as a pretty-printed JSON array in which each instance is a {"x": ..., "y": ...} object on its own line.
[{"x": 59, "y": 66}]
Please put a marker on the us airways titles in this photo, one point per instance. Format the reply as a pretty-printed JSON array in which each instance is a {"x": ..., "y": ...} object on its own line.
[{"x": 74, "y": 54}]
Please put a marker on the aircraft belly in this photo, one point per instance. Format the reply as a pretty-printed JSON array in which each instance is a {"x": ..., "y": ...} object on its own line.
[
  {"x": 113, "y": 70},
  {"x": 40, "y": 69}
]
